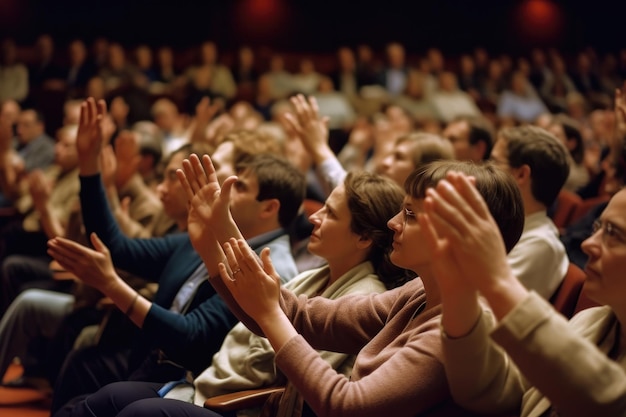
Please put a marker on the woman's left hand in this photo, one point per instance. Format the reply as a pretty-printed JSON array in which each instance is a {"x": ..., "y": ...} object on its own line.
[{"x": 254, "y": 285}]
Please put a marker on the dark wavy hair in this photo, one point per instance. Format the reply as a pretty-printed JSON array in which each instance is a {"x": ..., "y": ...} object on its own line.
[{"x": 372, "y": 201}]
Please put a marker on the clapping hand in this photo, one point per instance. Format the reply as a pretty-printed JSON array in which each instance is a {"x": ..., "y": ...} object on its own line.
[
  {"x": 310, "y": 127},
  {"x": 464, "y": 234},
  {"x": 209, "y": 215},
  {"x": 90, "y": 136},
  {"x": 93, "y": 267},
  {"x": 254, "y": 286}
]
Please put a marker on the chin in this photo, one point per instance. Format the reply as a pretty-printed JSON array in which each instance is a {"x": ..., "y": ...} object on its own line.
[{"x": 397, "y": 260}]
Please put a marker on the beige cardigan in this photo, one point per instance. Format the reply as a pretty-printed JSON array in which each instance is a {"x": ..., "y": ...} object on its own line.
[
  {"x": 246, "y": 361},
  {"x": 563, "y": 363}
]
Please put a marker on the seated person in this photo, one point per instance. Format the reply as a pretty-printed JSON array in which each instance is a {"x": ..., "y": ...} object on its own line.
[
  {"x": 36, "y": 315},
  {"x": 395, "y": 335},
  {"x": 471, "y": 137},
  {"x": 266, "y": 201},
  {"x": 355, "y": 241},
  {"x": 539, "y": 164},
  {"x": 523, "y": 357}
]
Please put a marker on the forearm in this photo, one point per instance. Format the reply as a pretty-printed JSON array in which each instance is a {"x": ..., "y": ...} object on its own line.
[
  {"x": 481, "y": 376},
  {"x": 504, "y": 295},
  {"x": 569, "y": 369},
  {"x": 128, "y": 300},
  {"x": 212, "y": 255},
  {"x": 51, "y": 224},
  {"x": 321, "y": 153},
  {"x": 278, "y": 329},
  {"x": 460, "y": 313}
]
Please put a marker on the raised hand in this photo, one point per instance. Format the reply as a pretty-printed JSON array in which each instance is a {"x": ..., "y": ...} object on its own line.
[
  {"x": 40, "y": 189},
  {"x": 254, "y": 286},
  {"x": 93, "y": 267},
  {"x": 205, "y": 110},
  {"x": 90, "y": 137},
  {"x": 310, "y": 127},
  {"x": 209, "y": 215},
  {"x": 460, "y": 216},
  {"x": 109, "y": 166}
]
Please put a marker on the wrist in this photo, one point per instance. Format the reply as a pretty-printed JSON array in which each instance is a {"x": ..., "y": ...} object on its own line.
[
  {"x": 503, "y": 295},
  {"x": 322, "y": 154},
  {"x": 271, "y": 319},
  {"x": 88, "y": 168}
]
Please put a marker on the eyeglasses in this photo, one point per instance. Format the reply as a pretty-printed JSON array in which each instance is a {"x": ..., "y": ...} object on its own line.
[{"x": 610, "y": 232}]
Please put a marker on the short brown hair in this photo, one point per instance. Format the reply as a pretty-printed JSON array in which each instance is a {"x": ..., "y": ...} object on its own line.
[
  {"x": 546, "y": 156},
  {"x": 278, "y": 179},
  {"x": 428, "y": 147},
  {"x": 497, "y": 187}
]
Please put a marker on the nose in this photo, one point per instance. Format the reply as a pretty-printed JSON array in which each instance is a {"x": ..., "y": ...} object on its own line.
[
  {"x": 591, "y": 245},
  {"x": 315, "y": 217},
  {"x": 395, "y": 222},
  {"x": 160, "y": 189},
  {"x": 386, "y": 163}
]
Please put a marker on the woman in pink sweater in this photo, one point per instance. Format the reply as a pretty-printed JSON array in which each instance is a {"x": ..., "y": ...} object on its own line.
[
  {"x": 395, "y": 335},
  {"x": 399, "y": 367}
]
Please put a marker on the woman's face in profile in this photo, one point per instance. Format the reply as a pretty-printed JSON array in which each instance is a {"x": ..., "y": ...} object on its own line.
[
  {"x": 410, "y": 250},
  {"x": 606, "y": 249}
]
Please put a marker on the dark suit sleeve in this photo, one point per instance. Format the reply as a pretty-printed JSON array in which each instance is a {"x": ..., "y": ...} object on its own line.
[
  {"x": 142, "y": 257},
  {"x": 192, "y": 339}
]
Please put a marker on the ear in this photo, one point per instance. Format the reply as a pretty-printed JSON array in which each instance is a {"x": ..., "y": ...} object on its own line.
[
  {"x": 269, "y": 208},
  {"x": 522, "y": 174},
  {"x": 364, "y": 242}
]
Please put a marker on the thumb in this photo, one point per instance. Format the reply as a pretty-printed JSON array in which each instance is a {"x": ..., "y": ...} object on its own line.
[
  {"x": 97, "y": 243},
  {"x": 325, "y": 121},
  {"x": 227, "y": 186}
]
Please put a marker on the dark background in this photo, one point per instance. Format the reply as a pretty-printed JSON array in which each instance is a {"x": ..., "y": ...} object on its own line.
[{"x": 323, "y": 25}]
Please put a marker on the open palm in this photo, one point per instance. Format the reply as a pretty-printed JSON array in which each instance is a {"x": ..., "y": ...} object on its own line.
[{"x": 208, "y": 202}]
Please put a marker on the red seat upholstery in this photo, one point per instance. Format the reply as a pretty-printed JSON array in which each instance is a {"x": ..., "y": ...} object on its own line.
[
  {"x": 566, "y": 204},
  {"x": 566, "y": 296},
  {"x": 584, "y": 301},
  {"x": 586, "y": 205}
]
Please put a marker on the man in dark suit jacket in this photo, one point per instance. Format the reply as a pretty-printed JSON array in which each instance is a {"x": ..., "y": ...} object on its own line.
[{"x": 179, "y": 330}]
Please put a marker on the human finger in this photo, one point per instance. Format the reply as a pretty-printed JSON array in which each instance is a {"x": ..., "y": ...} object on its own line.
[
  {"x": 201, "y": 175},
  {"x": 191, "y": 176},
  {"x": 98, "y": 244},
  {"x": 231, "y": 259},
  {"x": 182, "y": 178},
  {"x": 466, "y": 186},
  {"x": 440, "y": 227},
  {"x": 209, "y": 169}
]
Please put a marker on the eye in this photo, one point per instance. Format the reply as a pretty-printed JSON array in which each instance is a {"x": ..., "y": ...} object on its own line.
[
  {"x": 610, "y": 230},
  {"x": 597, "y": 225},
  {"x": 408, "y": 214}
]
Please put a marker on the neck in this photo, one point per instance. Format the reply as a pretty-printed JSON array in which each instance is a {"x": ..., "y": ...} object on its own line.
[
  {"x": 433, "y": 297},
  {"x": 532, "y": 207},
  {"x": 340, "y": 267},
  {"x": 259, "y": 229}
]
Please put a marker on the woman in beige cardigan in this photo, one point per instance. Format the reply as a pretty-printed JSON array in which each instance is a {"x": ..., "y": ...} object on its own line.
[{"x": 532, "y": 360}]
